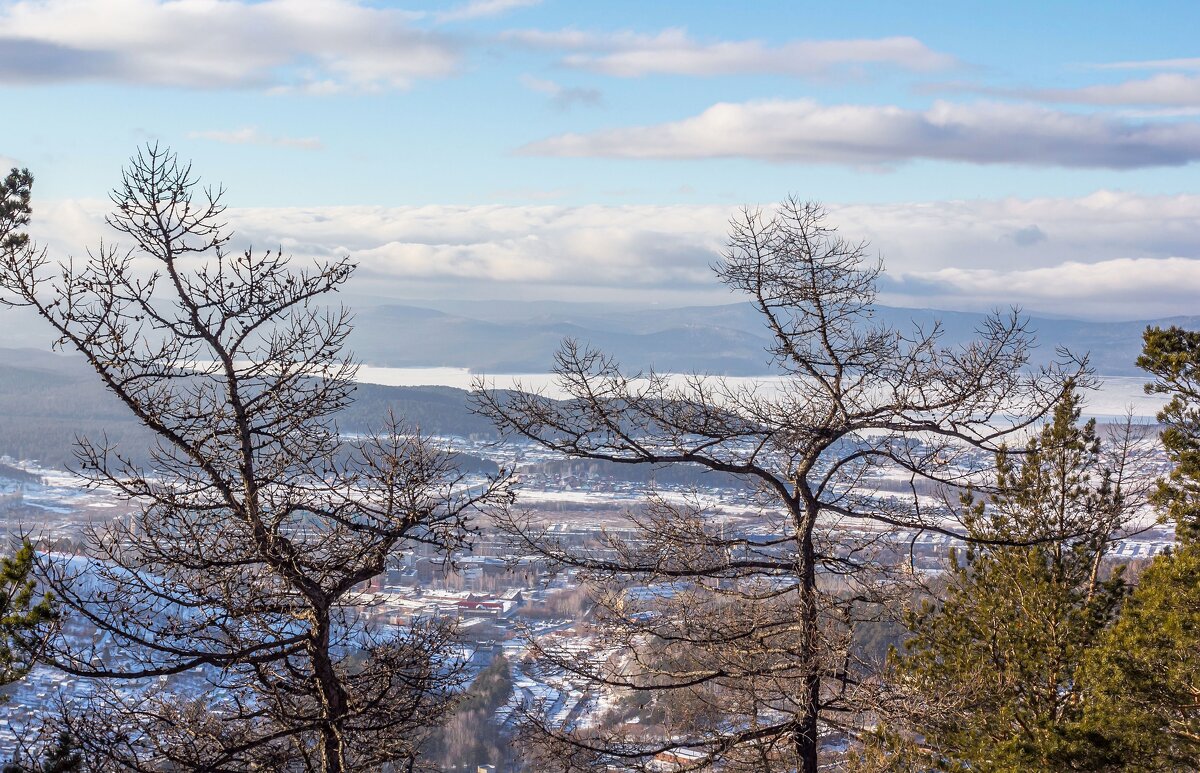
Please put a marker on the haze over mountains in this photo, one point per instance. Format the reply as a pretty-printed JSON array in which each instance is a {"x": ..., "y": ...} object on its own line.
[
  {"x": 47, "y": 400},
  {"x": 502, "y": 337},
  {"x": 521, "y": 337}
]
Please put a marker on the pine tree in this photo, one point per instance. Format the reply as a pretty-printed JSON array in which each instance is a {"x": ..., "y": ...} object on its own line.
[
  {"x": 1145, "y": 679},
  {"x": 23, "y": 617},
  {"x": 1172, "y": 356},
  {"x": 63, "y": 756},
  {"x": 25, "y": 621},
  {"x": 994, "y": 666}
]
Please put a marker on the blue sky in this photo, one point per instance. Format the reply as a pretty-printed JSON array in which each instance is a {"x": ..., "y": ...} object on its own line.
[{"x": 1034, "y": 153}]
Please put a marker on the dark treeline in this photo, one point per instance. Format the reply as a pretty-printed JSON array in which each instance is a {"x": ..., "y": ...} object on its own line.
[
  {"x": 600, "y": 470},
  {"x": 687, "y": 475},
  {"x": 47, "y": 402}
]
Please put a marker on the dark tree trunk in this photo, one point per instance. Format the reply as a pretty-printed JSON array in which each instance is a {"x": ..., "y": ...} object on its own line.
[
  {"x": 805, "y": 738},
  {"x": 333, "y": 697}
]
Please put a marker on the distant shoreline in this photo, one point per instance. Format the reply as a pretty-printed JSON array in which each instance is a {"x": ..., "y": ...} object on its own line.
[{"x": 1106, "y": 403}]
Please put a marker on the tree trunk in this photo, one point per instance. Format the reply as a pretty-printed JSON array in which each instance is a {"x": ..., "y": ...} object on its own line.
[
  {"x": 333, "y": 697},
  {"x": 805, "y": 735}
]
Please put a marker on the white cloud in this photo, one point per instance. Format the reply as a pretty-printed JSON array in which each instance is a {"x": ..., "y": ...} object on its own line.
[
  {"x": 1101, "y": 281},
  {"x": 673, "y": 51},
  {"x": 303, "y": 44},
  {"x": 249, "y": 135},
  {"x": 1167, "y": 89},
  {"x": 807, "y": 132},
  {"x": 480, "y": 9},
  {"x": 983, "y": 233},
  {"x": 1123, "y": 287},
  {"x": 562, "y": 97},
  {"x": 1161, "y": 112},
  {"x": 1171, "y": 87},
  {"x": 1109, "y": 254},
  {"x": 1192, "y": 63},
  {"x": 638, "y": 247}
]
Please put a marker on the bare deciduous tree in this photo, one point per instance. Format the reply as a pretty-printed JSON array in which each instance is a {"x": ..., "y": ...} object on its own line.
[
  {"x": 257, "y": 524},
  {"x": 736, "y": 636}
]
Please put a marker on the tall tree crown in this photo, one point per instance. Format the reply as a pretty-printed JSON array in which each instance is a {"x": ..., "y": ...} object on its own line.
[
  {"x": 1172, "y": 358},
  {"x": 745, "y": 629},
  {"x": 257, "y": 523}
]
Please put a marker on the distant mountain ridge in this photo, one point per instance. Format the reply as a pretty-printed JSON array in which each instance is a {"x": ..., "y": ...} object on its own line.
[
  {"x": 500, "y": 337},
  {"x": 727, "y": 339},
  {"x": 46, "y": 399}
]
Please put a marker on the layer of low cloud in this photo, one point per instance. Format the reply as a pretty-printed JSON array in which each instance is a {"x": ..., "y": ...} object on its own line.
[
  {"x": 808, "y": 132},
  {"x": 249, "y": 135},
  {"x": 1171, "y": 84},
  {"x": 1169, "y": 89},
  {"x": 1163, "y": 89},
  {"x": 674, "y": 52},
  {"x": 312, "y": 45},
  {"x": 1107, "y": 255},
  {"x": 1122, "y": 287}
]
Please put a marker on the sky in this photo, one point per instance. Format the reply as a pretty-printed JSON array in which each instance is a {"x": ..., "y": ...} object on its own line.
[{"x": 1029, "y": 153}]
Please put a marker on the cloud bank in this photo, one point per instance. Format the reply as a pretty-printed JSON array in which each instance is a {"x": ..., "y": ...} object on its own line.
[
  {"x": 311, "y": 45},
  {"x": 1124, "y": 287},
  {"x": 674, "y": 52},
  {"x": 1187, "y": 63},
  {"x": 1163, "y": 89},
  {"x": 804, "y": 131},
  {"x": 1107, "y": 255},
  {"x": 1171, "y": 89}
]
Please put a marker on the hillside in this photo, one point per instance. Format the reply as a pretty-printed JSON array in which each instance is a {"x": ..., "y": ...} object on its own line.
[{"x": 48, "y": 400}]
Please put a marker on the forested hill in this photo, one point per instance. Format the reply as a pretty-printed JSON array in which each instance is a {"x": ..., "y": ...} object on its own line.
[{"x": 47, "y": 400}]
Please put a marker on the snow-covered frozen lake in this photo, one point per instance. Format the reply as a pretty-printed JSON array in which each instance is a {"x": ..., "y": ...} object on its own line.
[{"x": 1111, "y": 401}]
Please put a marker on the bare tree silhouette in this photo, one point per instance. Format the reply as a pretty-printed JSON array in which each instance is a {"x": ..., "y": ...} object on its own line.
[
  {"x": 257, "y": 523},
  {"x": 735, "y": 636}
]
